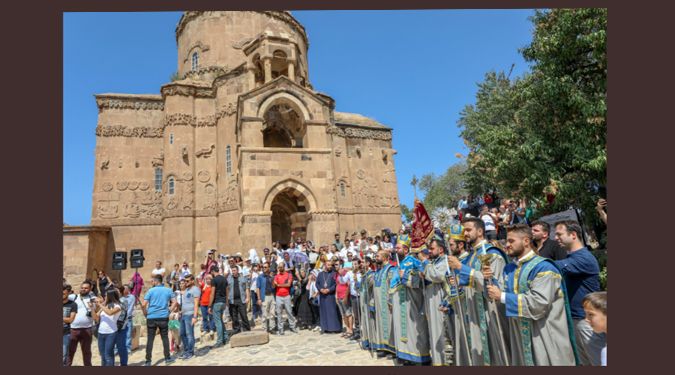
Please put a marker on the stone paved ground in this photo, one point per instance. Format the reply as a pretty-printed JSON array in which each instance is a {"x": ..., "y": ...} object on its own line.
[{"x": 303, "y": 349}]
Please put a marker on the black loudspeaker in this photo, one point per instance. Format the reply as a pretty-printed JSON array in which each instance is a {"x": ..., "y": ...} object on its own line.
[
  {"x": 137, "y": 258},
  {"x": 119, "y": 260}
]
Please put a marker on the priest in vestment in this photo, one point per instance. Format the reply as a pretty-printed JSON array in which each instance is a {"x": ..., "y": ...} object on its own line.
[
  {"x": 455, "y": 297},
  {"x": 367, "y": 307},
  {"x": 326, "y": 284},
  {"x": 436, "y": 273},
  {"x": 411, "y": 332},
  {"x": 540, "y": 329},
  {"x": 486, "y": 320},
  {"x": 384, "y": 330}
]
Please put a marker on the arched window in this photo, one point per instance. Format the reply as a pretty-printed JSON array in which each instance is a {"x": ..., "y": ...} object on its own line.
[
  {"x": 342, "y": 189},
  {"x": 228, "y": 160},
  {"x": 195, "y": 61},
  {"x": 172, "y": 185},
  {"x": 158, "y": 179},
  {"x": 171, "y": 138}
]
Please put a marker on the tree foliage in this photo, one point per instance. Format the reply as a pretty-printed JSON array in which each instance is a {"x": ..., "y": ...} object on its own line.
[
  {"x": 545, "y": 132},
  {"x": 407, "y": 213},
  {"x": 444, "y": 190}
]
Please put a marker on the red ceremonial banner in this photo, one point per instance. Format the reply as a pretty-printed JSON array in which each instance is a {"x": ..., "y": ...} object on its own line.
[{"x": 422, "y": 228}]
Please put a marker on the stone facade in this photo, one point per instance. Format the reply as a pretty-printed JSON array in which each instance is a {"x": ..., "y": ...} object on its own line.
[{"x": 240, "y": 150}]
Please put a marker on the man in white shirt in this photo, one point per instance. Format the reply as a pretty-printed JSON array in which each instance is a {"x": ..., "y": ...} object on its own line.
[
  {"x": 81, "y": 327},
  {"x": 159, "y": 270},
  {"x": 490, "y": 227}
]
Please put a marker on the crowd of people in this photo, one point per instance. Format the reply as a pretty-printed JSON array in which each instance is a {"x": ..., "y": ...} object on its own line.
[{"x": 497, "y": 290}]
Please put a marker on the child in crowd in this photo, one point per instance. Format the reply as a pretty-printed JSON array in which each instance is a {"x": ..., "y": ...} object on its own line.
[{"x": 595, "y": 307}]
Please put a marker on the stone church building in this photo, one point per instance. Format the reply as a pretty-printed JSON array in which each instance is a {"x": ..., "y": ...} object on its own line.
[{"x": 238, "y": 150}]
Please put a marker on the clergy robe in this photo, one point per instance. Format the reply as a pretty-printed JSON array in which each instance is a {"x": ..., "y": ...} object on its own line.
[
  {"x": 540, "y": 332},
  {"x": 327, "y": 305},
  {"x": 435, "y": 272},
  {"x": 384, "y": 329},
  {"x": 485, "y": 334},
  {"x": 456, "y": 328},
  {"x": 410, "y": 323},
  {"x": 367, "y": 306}
]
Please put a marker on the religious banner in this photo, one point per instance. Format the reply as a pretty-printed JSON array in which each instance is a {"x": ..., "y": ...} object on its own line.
[{"x": 422, "y": 227}]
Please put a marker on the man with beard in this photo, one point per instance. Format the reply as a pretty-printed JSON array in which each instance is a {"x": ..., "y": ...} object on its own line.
[
  {"x": 486, "y": 322},
  {"x": 410, "y": 324},
  {"x": 435, "y": 272},
  {"x": 454, "y": 297},
  {"x": 540, "y": 329},
  {"x": 384, "y": 338},
  {"x": 544, "y": 246},
  {"x": 367, "y": 305},
  {"x": 326, "y": 283}
]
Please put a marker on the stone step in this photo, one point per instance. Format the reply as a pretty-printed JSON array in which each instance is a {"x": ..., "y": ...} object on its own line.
[{"x": 249, "y": 338}]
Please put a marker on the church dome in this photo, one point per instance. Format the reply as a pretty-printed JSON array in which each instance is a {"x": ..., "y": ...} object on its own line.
[{"x": 216, "y": 40}]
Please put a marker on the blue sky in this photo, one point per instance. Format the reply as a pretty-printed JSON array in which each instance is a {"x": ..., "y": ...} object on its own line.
[{"x": 411, "y": 70}]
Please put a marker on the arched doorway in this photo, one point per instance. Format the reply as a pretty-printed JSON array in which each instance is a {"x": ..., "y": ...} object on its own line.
[
  {"x": 289, "y": 214},
  {"x": 283, "y": 127}
]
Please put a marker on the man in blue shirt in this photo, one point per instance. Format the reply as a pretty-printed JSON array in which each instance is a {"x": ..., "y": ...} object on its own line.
[
  {"x": 581, "y": 273},
  {"x": 156, "y": 310}
]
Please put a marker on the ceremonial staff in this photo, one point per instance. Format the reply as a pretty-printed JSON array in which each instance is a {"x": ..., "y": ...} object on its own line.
[
  {"x": 370, "y": 336},
  {"x": 459, "y": 309},
  {"x": 486, "y": 261}
]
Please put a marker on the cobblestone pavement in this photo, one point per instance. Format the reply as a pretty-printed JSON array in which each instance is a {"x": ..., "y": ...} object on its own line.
[{"x": 306, "y": 348}]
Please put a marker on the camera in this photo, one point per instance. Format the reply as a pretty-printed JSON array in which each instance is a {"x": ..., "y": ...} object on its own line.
[{"x": 88, "y": 314}]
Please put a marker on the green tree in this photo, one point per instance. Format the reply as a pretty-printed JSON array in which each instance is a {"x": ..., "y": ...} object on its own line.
[
  {"x": 444, "y": 190},
  {"x": 545, "y": 132},
  {"x": 407, "y": 213}
]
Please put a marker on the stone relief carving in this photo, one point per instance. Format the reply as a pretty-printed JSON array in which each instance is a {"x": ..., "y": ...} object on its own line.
[
  {"x": 184, "y": 152},
  {"x": 187, "y": 176},
  {"x": 229, "y": 199},
  {"x": 132, "y": 210},
  {"x": 365, "y": 192},
  {"x": 107, "y": 186},
  {"x": 296, "y": 174},
  {"x": 136, "y": 205},
  {"x": 353, "y": 132},
  {"x": 122, "y": 185},
  {"x": 205, "y": 152},
  {"x": 129, "y": 103},
  {"x": 338, "y": 151},
  {"x": 108, "y": 206},
  {"x": 334, "y": 130},
  {"x": 143, "y": 186},
  {"x": 206, "y": 121},
  {"x": 389, "y": 176},
  {"x": 180, "y": 119},
  {"x": 133, "y": 185},
  {"x": 127, "y": 131},
  {"x": 203, "y": 176},
  {"x": 227, "y": 110},
  {"x": 183, "y": 90},
  {"x": 105, "y": 164},
  {"x": 384, "y": 135},
  {"x": 210, "y": 202},
  {"x": 361, "y": 174}
]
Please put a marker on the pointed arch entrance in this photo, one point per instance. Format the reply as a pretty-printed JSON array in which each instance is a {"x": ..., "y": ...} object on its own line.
[{"x": 290, "y": 203}]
